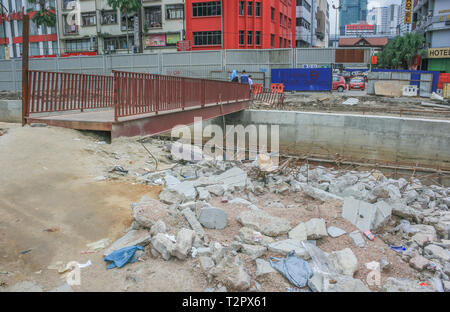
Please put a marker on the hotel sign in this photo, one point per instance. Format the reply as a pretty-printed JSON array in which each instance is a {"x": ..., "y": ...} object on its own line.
[
  {"x": 439, "y": 53},
  {"x": 408, "y": 11}
]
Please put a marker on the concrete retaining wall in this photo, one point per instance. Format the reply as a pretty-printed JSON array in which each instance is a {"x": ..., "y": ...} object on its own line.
[
  {"x": 11, "y": 110},
  {"x": 405, "y": 141}
]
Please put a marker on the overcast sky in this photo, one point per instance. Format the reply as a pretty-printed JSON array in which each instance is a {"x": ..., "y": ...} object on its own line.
[{"x": 372, "y": 4}]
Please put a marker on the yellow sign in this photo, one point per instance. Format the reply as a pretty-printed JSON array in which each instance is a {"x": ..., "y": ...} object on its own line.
[
  {"x": 439, "y": 53},
  {"x": 408, "y": 11}
]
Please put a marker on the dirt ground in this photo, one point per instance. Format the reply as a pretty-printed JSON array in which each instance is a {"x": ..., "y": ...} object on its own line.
[
  {"x": 47, "y": 182},
  {"x": 332, "y": 102},
  {"x": 52, "y": 205}
]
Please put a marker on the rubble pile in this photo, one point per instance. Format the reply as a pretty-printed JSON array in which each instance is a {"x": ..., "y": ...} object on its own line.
[{"x": 412, "y": 219}]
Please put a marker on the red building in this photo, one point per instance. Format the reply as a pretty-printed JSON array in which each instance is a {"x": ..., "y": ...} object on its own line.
[{"x": 249, "y": 24}]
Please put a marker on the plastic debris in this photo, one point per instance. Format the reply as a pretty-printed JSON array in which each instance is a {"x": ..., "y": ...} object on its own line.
[
  {"x": 397, "y": 248},
  {"x": 120, "y": 170},
  {"x": 296, "y": 270},
  {"x": 369, "y": 235},
  {"x": 98, "y": 245},
  {"x": 122, "y": 256},
  {"x": 351, "y": 101}
]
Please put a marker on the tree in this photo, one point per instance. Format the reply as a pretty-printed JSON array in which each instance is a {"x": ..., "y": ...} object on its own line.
[
  {"x": 125, "y": 7},
  {"x": 46, "y": 16},
  {"x": 397, "y": 54}
]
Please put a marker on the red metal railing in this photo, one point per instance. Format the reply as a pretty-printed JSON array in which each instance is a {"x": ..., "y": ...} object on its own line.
[
  {"x": 54, "y": 92},
  {"x": 139, "y": 93},
  {"x": 129, "y": 93},
  {"x": 271, "y": 97}
]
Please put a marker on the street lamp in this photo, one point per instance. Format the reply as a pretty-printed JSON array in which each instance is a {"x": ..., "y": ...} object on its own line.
[{"x": 337, "y": 8}]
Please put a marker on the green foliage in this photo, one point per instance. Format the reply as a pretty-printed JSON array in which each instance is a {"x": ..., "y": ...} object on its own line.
[
  {"x": 125, "y": 5},
  {"x": 45, "y": 16},
  {"x": 398, "y": 52}
]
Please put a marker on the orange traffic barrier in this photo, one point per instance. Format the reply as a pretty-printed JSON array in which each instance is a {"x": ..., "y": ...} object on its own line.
[
  {"x": 257, "y": 88},
  {"x": 277, "y": 88}
]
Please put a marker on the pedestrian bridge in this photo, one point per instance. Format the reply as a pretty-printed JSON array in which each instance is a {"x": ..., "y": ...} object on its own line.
[{"x": 128, "y": 103}]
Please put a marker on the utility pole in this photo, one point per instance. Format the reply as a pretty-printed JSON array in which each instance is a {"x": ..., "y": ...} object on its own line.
[
  {"x": 25, "y": 49},
  {"x": 312, "y": 21},
  {"x": 4, "y": 27},
  {"x": 337, "y": 8}
]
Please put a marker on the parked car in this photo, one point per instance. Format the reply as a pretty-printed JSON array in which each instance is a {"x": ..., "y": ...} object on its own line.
[
  {"x": 357, "y": 84},
  {"x": 339, "y": 83}
]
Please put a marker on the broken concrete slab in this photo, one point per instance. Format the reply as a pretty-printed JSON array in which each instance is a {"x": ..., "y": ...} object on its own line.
[
  {"x": 263, "y": 268},
  {"x": 186, "y": 189},
  {"x": 335, "y": 231},
  {"x": 406, "y": 285},
  {"x": 216, "y": 189},
  {"x": 344, "y": 261},
  {"x": 336, "y": 283},
  {"x": 365, "y": 216},
  {"x": 316, "y": 228},
  {"x": 164, "y": 245},
  {"x": 193, "y": 222},
  {"x": 25, "y": 286},
  {"x": 232, "y": 274},
  {"x": 264, "y": 223},
  {"x": 437, "y": 252},
  {"x": 358, "y": 239},
  {"x": 185, "y": 238},
  {"x": 253, "y": 251},
  {"x": 158, "y": 227},
  {"x": 319, "y": 194},
  {"x": 250, "y": 236},
  {"x": 148, "y": 211},
  {"x": 213, "y": 218},
  {"x": 419, "y": 263},
  {"x": 299, "y": 232},
  {"x": 132, "y": 238},
  {"x": 283, "y": 247},
  {"x": 203, "y": 194},
  {"x": 234, "y": 177}
]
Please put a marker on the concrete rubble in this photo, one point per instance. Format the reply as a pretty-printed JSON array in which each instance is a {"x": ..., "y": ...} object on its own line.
[{"x": 208, "y": 197}]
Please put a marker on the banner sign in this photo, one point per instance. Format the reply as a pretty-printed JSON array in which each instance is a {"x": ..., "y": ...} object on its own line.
[{"x": 303, "y": 79}]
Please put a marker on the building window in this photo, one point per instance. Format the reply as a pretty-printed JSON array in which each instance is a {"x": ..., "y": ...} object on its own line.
[
  {"x": 80, "y": 45},
  {"x": 69, "y": 29},
  {"x": 303, "y": 23},
  {"x": 304, "y": 4},
  {"x": 272, "y": 14},
  {"x": 285, "y": 21},
  {"x": 250, "y": 8},
  {"x": 89, "y": 18},
  {"x": 153, "y": 17},
  {"x": 174, "y": 11},
  {"x": 207, "y": 9},
  {"x": 250, "y": 38},
  {"x": 258, "y": 38},
  {"x": 272, "y": 40},
  {"x": 281, "y": 43},
  {"x": 241, "y": 8},
  {"x": 281, "y": 19},
  {"x": 127, "y": 20},
  {"x": 118, "y": 43},
  {"x": 109, "y": 17},
  {"x": 289, "y": 22},
  {"x": 241, "y": 37},
  {"x": 207, "y": 38},
  {"x": 257, "y": 8}
]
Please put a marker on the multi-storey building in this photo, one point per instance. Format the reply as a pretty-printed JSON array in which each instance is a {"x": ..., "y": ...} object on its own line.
[
  {"x": 351, "y": 12},
  {"x": 312, "y": 23},
  {"x": 93, "y": 27},
  {"x": 432, "y": 18},
  {"x": 405, "y": 17},
  {"x": 43, "y": 40},
  {"x": 385, "y": 19},
  {"x": 249, "y": 24},
  {"x": 359, "y": 30}
]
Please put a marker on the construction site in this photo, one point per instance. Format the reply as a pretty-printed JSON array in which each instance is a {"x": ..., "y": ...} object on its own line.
[{"x": 330, "y": 191}]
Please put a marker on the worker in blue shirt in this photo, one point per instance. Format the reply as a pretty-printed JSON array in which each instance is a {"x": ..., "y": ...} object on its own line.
[{"x": 244, "y": 77}]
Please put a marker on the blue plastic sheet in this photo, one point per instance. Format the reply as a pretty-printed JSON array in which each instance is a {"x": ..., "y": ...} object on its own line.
[
  {"x": 122, "y": 256},
  {"x": 296, "y": 270},
  {"x": 303, "y": 79}
]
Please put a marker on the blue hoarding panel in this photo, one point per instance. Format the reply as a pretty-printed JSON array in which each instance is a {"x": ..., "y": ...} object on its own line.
[
  {"x": 303, "y": 79},
  {"x": 415, "y": 75}
]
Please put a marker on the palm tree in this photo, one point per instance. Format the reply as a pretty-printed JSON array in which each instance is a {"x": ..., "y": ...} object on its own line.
[
  {"x": 125, "y": 6},
  {"x": 399, "y": 51},
  {"x": 46, "y": 16}
]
